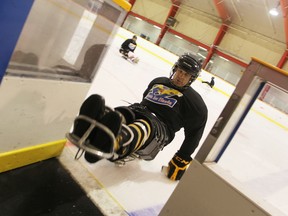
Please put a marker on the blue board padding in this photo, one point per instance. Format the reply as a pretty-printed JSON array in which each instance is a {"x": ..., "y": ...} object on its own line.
[
  {"x": 235, "y": 129},
  {"x": 13, "y": 14}
]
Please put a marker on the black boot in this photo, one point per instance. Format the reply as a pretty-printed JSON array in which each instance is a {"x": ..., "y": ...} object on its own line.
[
  {"x": 94, "y": 108},
  {"x": 102, "y": 142},
  {"x": 107, "y": 145},
  {"x": 127, "y": 114},
  {"x": 104, "y": 139}
]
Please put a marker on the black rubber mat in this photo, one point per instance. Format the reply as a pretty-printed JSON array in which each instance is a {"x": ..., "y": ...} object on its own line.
[{"x": 43, "y": 188}]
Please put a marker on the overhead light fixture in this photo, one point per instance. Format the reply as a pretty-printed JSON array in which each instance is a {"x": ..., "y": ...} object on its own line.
[
  {"x": 223, "y": 58},
  {"x": 202, "y": 48},
  {"x": 274, "y": 11},
  {"x": 178, "y": 37},
  {"x": 138, "y": 18},
  {"x": 156, "y": 27},
  {"x": 201, "y": 55}
]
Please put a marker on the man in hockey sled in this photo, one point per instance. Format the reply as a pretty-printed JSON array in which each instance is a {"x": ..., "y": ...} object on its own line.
[
  {"x": 127, "y": 49},
  {"x": 142, "y": 129},
  {"x": 211, "y": 83}
]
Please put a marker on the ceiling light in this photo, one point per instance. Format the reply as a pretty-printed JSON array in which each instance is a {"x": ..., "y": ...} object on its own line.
[
  {"x": 202, "y": 48},
  {"x": 138, "y": 18},
  {"x": 201, "y": 55},
  {"x": 274, "y": 12},
  {"x": 156, "y": 27},
  {"x": 178, "y": 37},
  {"x": 223, "y": 58}
]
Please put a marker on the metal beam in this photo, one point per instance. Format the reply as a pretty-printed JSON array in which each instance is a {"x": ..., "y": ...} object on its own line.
[
  {"x": 145, "y": 19},
  {"x": 231, "y": 58},
  {"x": 216, "y": 42},
  {"x": 222, "y": 11},
  {"x": 283, "y": 59},
  {"x": 132, "y": 2},
  {"x": 226, "y": 20},
  {"x": 173, "y": 10},
  {"x": 284, "y": 7},
  {"x": 185, "y": 37}
]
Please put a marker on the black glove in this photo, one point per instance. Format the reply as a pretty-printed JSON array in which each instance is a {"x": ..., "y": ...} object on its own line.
[{"x": 177, "y": 166}]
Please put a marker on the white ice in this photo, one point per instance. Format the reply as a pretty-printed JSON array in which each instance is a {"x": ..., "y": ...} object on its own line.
[{"x": 257, "y": 156}]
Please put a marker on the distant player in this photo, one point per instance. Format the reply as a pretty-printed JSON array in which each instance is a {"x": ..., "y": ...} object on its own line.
[
  {"x": 211, "y": 83},
  {"x": 142, "y": 129},
  {"x": 127, "y": 49}
]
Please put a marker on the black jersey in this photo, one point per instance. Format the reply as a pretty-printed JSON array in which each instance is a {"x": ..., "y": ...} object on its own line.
[
  {"x": 129, "y": 44},
  {"x": 177, "y": 109}
]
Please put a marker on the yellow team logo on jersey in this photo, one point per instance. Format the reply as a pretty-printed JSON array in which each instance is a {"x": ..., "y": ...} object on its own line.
[{"x": 163, "y": 95}]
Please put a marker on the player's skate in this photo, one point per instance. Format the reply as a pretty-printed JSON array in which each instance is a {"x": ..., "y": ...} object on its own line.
[
  {"x": 123, "y": 161},
  {"x": 135, "y": 60},
  {"x": 124, "y": 53},
  {"x": 121, "y": 51}
]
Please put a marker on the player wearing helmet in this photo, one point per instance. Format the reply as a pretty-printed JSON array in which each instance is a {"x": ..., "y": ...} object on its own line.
[
  {"x": 143, "y": 129},
  {"x": 211, "y": 83},
  {"x": 128, "y": 45}
]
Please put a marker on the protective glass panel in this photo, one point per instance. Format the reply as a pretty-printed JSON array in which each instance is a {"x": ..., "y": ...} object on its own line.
[
  {"x": 64, "y": 40},
  {"x": 257, "y": 154}
]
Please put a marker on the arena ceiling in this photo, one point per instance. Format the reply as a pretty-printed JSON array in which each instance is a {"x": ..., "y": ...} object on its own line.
[{"x": 252, "y": 15}]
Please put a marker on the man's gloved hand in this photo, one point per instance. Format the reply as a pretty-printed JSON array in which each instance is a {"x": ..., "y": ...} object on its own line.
[{"x": 177, "y": 166}]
